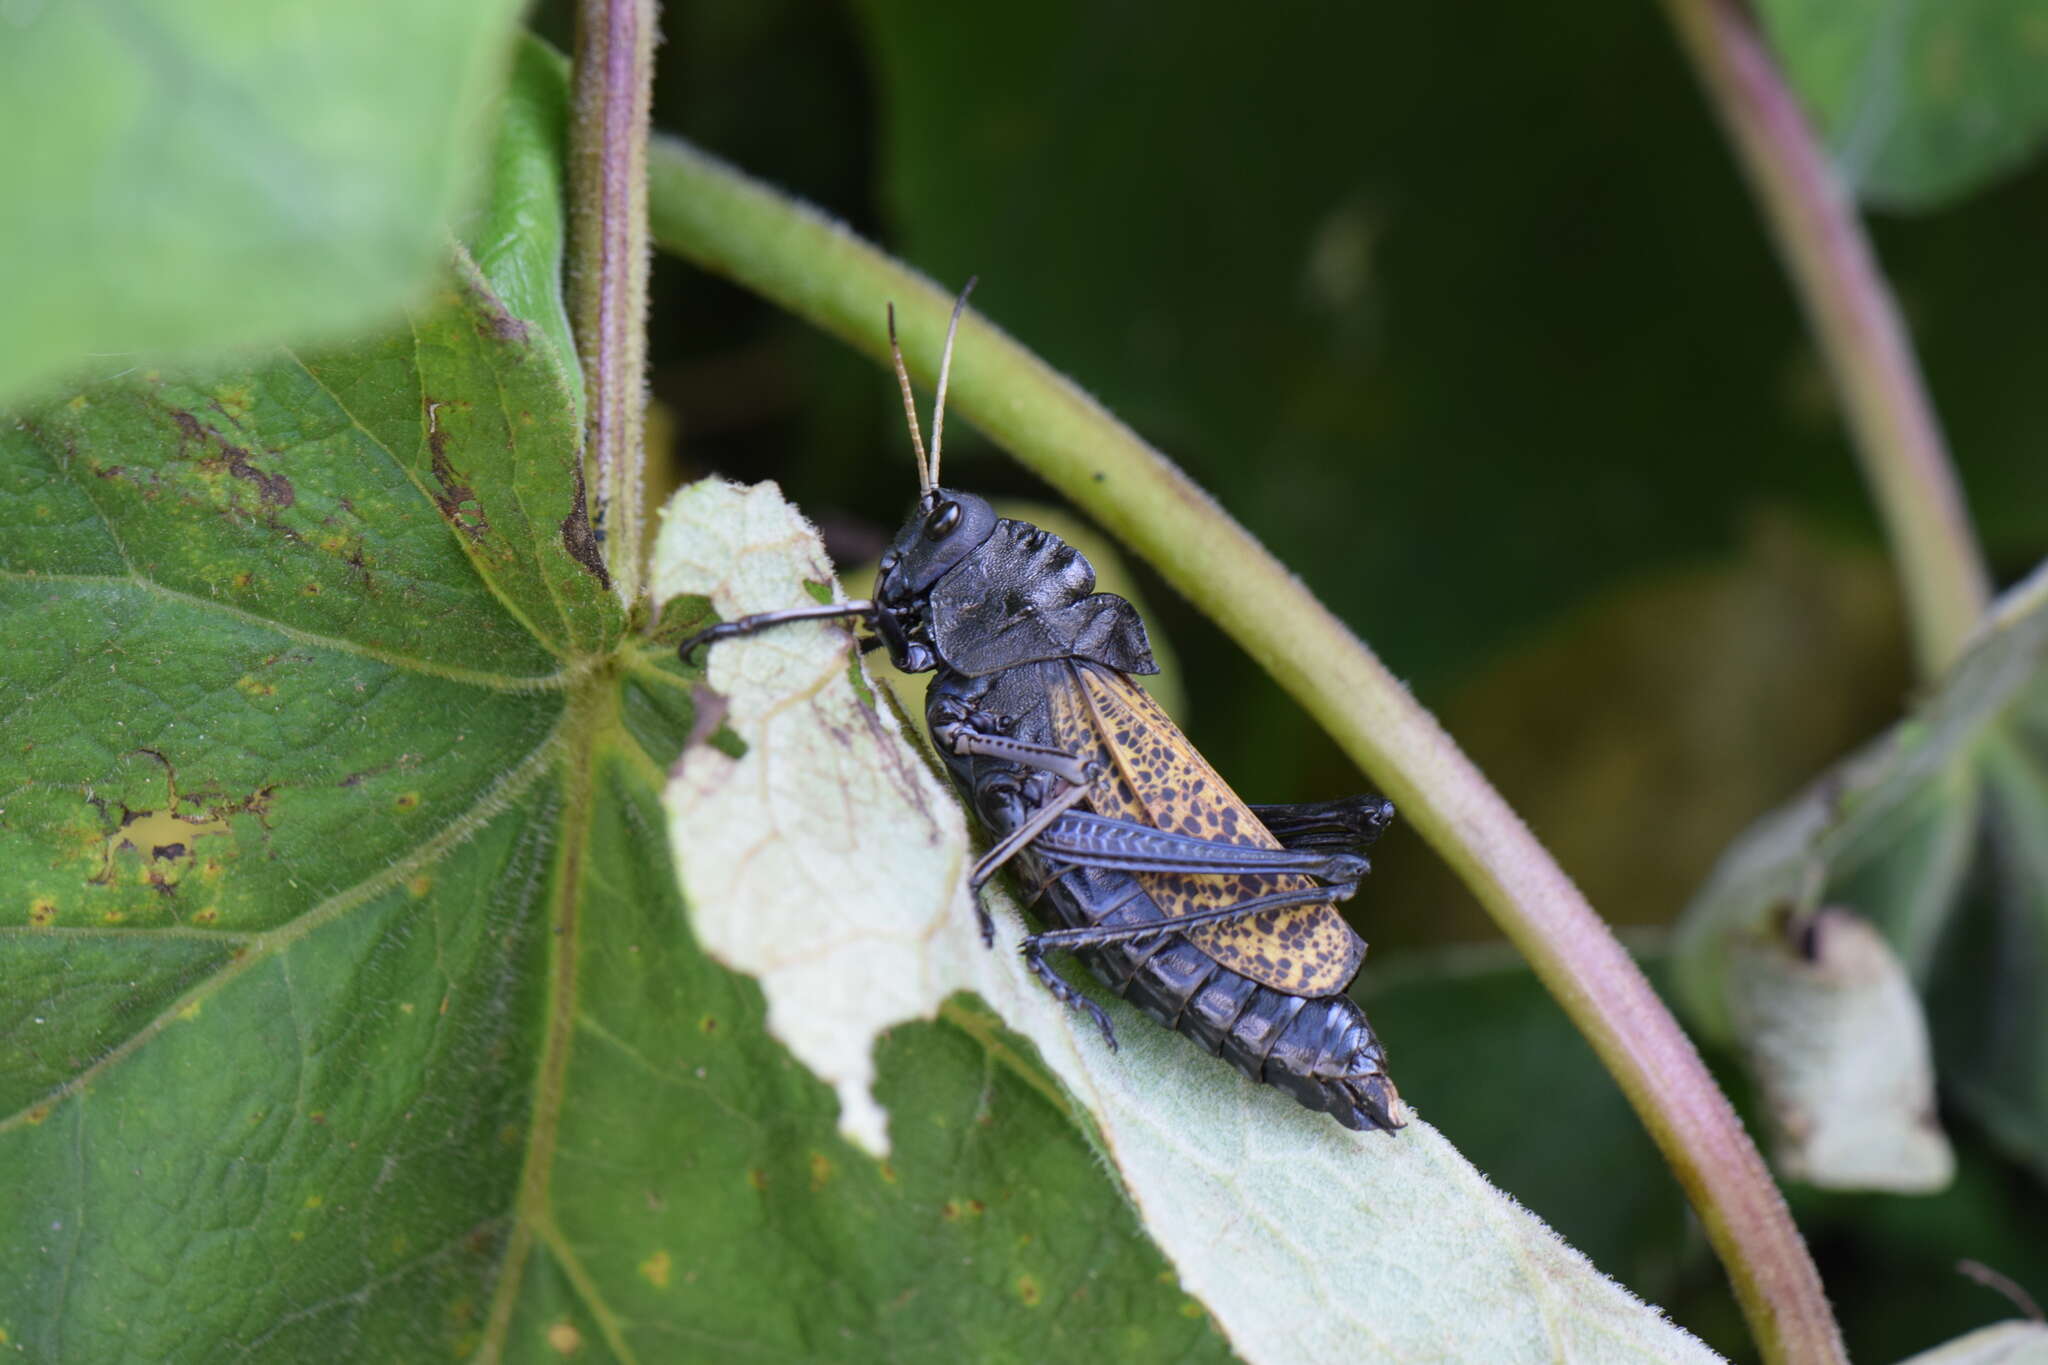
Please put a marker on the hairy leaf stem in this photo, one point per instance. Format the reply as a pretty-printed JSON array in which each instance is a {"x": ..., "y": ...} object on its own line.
[{"x": 608, "y": 261}]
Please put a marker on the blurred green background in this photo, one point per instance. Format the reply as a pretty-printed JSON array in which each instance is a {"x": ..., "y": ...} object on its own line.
[{"x": 1466, "y": 313}]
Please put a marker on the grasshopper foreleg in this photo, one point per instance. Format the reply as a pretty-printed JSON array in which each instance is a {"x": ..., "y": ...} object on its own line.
[
  {"x": 978, "y": 734},
  {"x": 763, "y": 620}
]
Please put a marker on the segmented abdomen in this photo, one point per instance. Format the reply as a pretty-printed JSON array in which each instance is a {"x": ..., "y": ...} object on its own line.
[{"x": 1320, "y": 1050}]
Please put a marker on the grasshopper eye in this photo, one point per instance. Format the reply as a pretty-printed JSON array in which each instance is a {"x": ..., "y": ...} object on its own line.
[{"x": 942, "y": 522}]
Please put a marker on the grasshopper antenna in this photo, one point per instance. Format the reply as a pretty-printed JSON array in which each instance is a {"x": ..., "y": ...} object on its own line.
[
  {"x": 945, "y": 372},
  {"x": 928, "y": 469},
  {"x": 924, "y": 470}
]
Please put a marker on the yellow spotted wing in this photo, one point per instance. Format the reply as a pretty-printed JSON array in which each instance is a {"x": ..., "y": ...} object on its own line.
[{"x": 1158, "y": 778}]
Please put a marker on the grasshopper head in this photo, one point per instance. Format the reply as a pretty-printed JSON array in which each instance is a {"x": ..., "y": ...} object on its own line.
[{"x": 944, "y": 528}]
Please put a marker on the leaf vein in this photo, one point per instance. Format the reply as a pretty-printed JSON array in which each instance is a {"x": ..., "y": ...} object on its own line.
[
  {"x": 261, "y": 947},
  {"x": 501, "y": 682}
]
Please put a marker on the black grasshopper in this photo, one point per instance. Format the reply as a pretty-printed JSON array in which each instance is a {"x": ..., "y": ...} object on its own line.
[{"x": 1216, "y": 918}]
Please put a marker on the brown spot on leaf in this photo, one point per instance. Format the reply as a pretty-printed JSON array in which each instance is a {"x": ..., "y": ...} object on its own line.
[
  {"x": 579, "y": 539},
  {"x": 273, "y": 491},
  {"x": 503, "y": 325},
  {"x": 456, "y": 499},
  {"x": 359, "y": 565}
]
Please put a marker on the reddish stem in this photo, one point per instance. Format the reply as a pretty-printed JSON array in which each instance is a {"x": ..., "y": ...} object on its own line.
[
  {"x": 608, "y": 261},
  {"x": 1855, "y": 323}
]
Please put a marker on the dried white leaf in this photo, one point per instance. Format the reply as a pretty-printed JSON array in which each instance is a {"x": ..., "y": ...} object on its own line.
[{"x": 1837, "y": 1041}]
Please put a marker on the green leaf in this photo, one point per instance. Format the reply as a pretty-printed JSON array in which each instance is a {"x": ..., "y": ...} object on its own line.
[
  {"x": 828, "y": 861},
  {"x": 1936, "y": 834},
  {"x": 1920, "y": 101},
  {"x": 517, "y": 234},
  {"x": 347, "y": 1009},
  {"x": 190, "y": 176}
]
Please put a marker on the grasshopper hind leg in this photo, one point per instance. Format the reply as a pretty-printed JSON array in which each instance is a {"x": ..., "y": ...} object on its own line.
[
  {"x": 1352, "y": 822},
  {"x": 1065, "y": 992}
]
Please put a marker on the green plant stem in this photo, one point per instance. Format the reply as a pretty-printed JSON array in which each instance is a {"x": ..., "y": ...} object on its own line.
[
  {"x": 736, "y": 227},
  {"x": 608, "y": 261},
  {"x": 1855, "y": 321}
]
